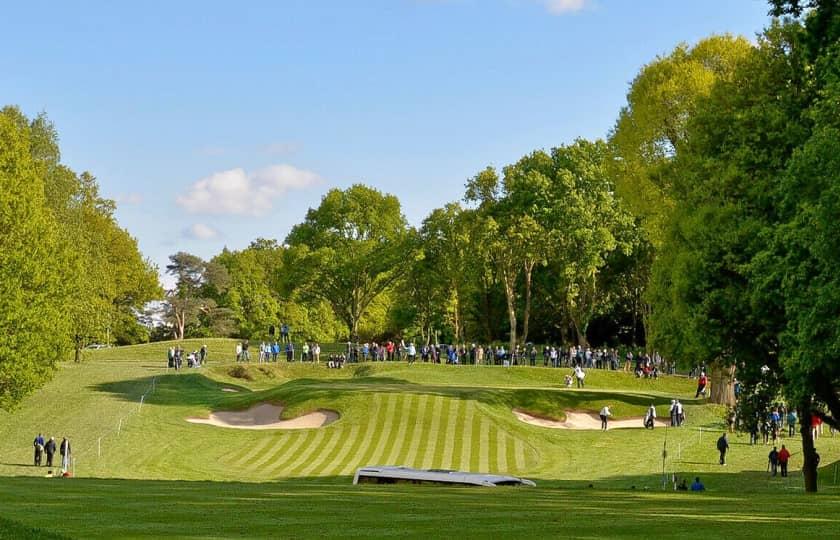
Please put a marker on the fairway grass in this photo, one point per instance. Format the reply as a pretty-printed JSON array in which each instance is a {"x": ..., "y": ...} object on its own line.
[{"x": 144, "y": 471}]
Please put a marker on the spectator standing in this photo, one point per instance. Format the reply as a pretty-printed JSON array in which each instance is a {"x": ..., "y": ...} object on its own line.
[
  {"x": 791, "y": 423},
  {"x": 722, "y": 446},
  {"x": 784, "y": 457},
  {"x": 38, "y": 444},
  {"x": 773, "y": 461},
  {"x": 697, "y": 485},
  {"x": 49, "y": 448}
]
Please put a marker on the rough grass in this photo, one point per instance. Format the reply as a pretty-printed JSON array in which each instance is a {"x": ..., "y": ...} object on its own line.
[{"x": 424, "y": 415}]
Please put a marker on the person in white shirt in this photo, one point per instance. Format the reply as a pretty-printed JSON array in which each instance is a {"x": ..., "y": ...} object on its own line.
[
  {"x": 650, "y": 417},
  {"x": 579, "y": 375},
  {"x": 605, "y": 414}
]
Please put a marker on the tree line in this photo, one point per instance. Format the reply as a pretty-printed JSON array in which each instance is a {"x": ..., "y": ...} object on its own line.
[{"x": 69, "y": 274}]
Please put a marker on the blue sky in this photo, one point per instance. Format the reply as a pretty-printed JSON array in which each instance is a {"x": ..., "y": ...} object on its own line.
[{"x": 214, "y": 123}]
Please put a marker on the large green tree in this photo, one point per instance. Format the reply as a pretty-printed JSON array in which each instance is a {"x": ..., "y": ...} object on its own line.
[
  {"x": 746, "y": 274},
  {"x": 33, "y": 326},
  {"x": 350, "y": 250}
]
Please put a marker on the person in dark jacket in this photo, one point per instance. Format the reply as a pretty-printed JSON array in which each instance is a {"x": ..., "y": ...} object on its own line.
[
  {"x": 49, "y": 448},
  {"x": 722, "y": 446}
]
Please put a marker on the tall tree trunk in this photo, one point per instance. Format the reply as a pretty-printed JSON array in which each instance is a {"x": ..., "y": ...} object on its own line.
[
  {"x": 529, "y": 268},
  {"x": 78, "y": 350},
  {"x": 809, "y": 466},
  {"x": 354, "y": 329},
  {"x": 510, "y": 295},
  {"x": 723, "y": 388},
  {"x": 486, "y": 319}
]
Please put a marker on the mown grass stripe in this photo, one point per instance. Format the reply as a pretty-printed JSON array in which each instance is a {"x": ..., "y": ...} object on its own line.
[
  {"x": 384, "y": 434},
  {"x": 255, "y": 450},
  {"x": 448, "y": 413},
  {"x": 440, "y": 442},
  {"x": 279, "y": 464},
  {"x": 501, "y": 451},
  {"x": 355, "y": 457},
  {"x": 404, "y": 417},
  {"x": 484, "y": 445},
  {"x": 412, "y": 445},
  {"x": 432, "y": 434},
  {"x": 270, "y": 455},
  {"x": 306, "y": 453},
  {"x": 519, "y": 454},
  {"x": 449, "y": 436},
  {"x": 333, "y": 466},
  {"x": 323, "y": 452},
  {"x": 466, "y": 437}
]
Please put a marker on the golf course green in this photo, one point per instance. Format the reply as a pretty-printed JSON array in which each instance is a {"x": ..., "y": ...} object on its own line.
[{"x": 142, "y": 470}]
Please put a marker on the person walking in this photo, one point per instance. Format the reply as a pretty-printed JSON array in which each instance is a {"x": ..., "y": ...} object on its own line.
[
  {"x": 49, "y": 448},
  {"x": 701, "y": 385},
  {"x": 773, "y": 461},
  {"x": 784, "y": 457},
  {"x": 673, "y": 413},
  {"x": 650, "y": 417},
  {"x": 605, "y": 415},
  {"x": 38, "y": 444},
  {"x": 65, "y": 454},
  {"x": 680, "y": 413},
  {"x": 579, "y": 375},
  {"x": 722, "y": 446},
  {"x": 791, "y": 423}
]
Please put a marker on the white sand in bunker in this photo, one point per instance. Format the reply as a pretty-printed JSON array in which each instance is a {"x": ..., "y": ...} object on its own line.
[
  {"x": 582, "y": 420},
  {"x": 267, "y": 416},
  {"x": 229, "y": 390}
]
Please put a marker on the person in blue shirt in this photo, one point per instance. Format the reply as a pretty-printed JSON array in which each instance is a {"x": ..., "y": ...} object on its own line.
[
  {"x": 697, "y": 485},
  {"x": 38, "y": 443}
]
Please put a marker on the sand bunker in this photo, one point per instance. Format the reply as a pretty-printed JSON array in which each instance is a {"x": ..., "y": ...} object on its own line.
[
  {"x": 267, "y": 416},
  {"x": 229, "y": 390},
  {"x": 582, "y": 420}
]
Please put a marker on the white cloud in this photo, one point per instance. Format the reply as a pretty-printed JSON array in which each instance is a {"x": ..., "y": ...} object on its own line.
[
  {"x": 129, "y": 198},
  {"x": 562, "y": 7},
  {"x": 200, "y": 231},
  {"x": 238, "y": 192}
]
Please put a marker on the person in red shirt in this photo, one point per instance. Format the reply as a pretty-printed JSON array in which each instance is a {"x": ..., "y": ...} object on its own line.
[
  {"x": 701, "y": 385},
  {"x": 784, "y": 457},
  {"x": 816, "y": 426}
]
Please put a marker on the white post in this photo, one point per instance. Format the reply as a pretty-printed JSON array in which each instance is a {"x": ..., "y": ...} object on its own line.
[
  {"x": 119, "y": 427},
  {"x": 141, "y": 401},
  {"x": 99, "y": 447}
]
